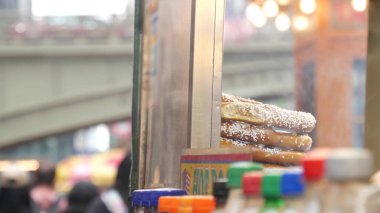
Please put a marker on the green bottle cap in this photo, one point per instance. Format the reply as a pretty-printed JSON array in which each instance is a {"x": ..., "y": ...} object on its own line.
[
  {"x": 236, "y": 171},
  {"x": 271, "y": 184}
]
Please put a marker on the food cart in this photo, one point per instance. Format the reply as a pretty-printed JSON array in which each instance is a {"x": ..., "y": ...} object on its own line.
[{"x": 177, "y": 88}]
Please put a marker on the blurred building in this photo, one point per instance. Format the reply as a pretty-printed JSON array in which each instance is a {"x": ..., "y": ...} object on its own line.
[{"x": 331, "y": 71}]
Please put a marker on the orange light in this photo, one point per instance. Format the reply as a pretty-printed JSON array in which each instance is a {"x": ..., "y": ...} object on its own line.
[
  {"x": 27, "y": 165},
  {"x": 283, "y": 2},
  {"x": 359, "y": 5},
  {"x": 282, "y": 22},
  {"x": 270, "y": 8},
  {"x": 300, "y": 23},
  {"x": 308, "y": 6},
  {"x": 255, "y": 15}
]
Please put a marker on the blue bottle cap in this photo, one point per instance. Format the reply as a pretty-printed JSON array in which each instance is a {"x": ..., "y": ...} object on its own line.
[
  {"x": 141, "y": 198},
  {"x": 149, "y": 197},
  {"x": 157, "y": 193},
  {"x": 292, "y": 183},
  {"x": 137, "y": 198}
]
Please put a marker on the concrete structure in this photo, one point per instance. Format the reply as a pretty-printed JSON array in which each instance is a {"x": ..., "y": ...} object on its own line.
[
  {"x": 50, "y": 89},
  {"x": 46, "y": 90}
]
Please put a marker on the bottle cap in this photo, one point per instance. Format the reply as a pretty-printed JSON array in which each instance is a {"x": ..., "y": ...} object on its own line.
[
  {"x": 271, "y": 184},
  {"x": 349, "y": 164},
  {"x": 136, "y": 198},
  {"x": 252, "y": 183},
  {"x": 149, "y": 197},
  {"x": 220, "y": 191},
  {"x": 186, "y": 204},
  {"x": 292, "y": 184},
  {"x": 164, "y": 204},
  {"x": 236, "y": 171},
  {"x": 314, "y": 164},
  {"x": 157, "y": 193},
  {"x": 203, "y": 204},
  {"x": 141, "y": 198},
  {"x": 314, "y": 168},
  {"x": 173, "y": 202}
]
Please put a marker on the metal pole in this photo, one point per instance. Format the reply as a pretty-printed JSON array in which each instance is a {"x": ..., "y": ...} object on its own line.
[
  {"x": 177, "y": 85},
  {"x": 372, "y": 115},
  {"x": 206, "y": 72}
]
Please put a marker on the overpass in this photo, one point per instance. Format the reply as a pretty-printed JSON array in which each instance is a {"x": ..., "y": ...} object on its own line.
[{"x": 51, "y": 88}]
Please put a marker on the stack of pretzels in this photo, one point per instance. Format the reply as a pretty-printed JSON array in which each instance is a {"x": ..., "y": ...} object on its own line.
[{"x": 277, "y": 136}]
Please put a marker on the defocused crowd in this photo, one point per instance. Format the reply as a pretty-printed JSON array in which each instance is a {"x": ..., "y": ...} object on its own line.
[{"x": 22, "y": 192}]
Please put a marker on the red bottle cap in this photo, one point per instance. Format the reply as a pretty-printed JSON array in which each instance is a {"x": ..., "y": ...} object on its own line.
[
  {"x": 314, "y": 168},
  {"x": 252, "y": 183}
]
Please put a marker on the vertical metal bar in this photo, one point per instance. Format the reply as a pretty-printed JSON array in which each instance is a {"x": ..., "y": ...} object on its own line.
[
  {"x": 165, "y": 90},
  {"x": 218, "y": 61},
  {"x": 372, "y": 114},
  {"x": 136, "y": 96},
  {"x": 205, "y": 79},
  {"x": 179, "y": 87}
]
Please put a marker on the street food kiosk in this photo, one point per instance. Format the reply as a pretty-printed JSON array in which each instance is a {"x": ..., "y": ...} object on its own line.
[{"x": 177, "y": 87}]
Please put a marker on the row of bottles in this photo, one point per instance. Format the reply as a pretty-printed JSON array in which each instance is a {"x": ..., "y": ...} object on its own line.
[{"x": 328, "y": 182}]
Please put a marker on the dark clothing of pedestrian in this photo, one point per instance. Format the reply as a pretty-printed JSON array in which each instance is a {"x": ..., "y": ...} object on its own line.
[{"x": 80, "y": 197}]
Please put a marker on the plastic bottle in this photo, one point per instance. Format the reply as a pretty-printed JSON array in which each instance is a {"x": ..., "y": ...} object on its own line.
[
  {"x": 235, "y": 201},
  {"x": 348, "y": 171},
  {"x": 314, "y": 175},
  {"x": 252, "y": 182},
  {"x": 271, "y": 191},
  {"x": 292, "y": 190},
  {"x": 203, "y": 204},
  {"x": 220, "y": 192}
]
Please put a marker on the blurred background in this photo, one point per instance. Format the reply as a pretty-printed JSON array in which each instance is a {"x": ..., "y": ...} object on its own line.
[
  {"x": 66, "y": 72},
  {"x": 66, "y": 83}
]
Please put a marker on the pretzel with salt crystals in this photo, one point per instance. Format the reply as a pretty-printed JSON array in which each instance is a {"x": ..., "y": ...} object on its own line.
[
  {"x": 268, "y": 115},
  {"x": 264, "y": 135},
  {"x": 264, "y": 154}
]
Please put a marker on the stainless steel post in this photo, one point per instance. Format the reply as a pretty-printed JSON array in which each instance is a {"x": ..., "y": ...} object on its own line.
[{"x": 180, "y": 85}]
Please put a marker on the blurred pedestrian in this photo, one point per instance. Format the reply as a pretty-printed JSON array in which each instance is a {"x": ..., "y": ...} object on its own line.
[
  {"x": 80, "y": 197},
  {"x": 44, "y": 197},
  {"x": 115, "y": 199},
  {"x": 14, "y": 192}
]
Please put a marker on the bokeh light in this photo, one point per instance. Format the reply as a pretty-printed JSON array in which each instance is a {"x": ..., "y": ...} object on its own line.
[
  {"x": 300, "y": 23},
  {"x": 282, "y": 22},
  {"x": 270, "y": 8},
  {"x": 308, "y": 6},
  {"x": 359, "y": 5},
  {"x": 255, "y": 15}
]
